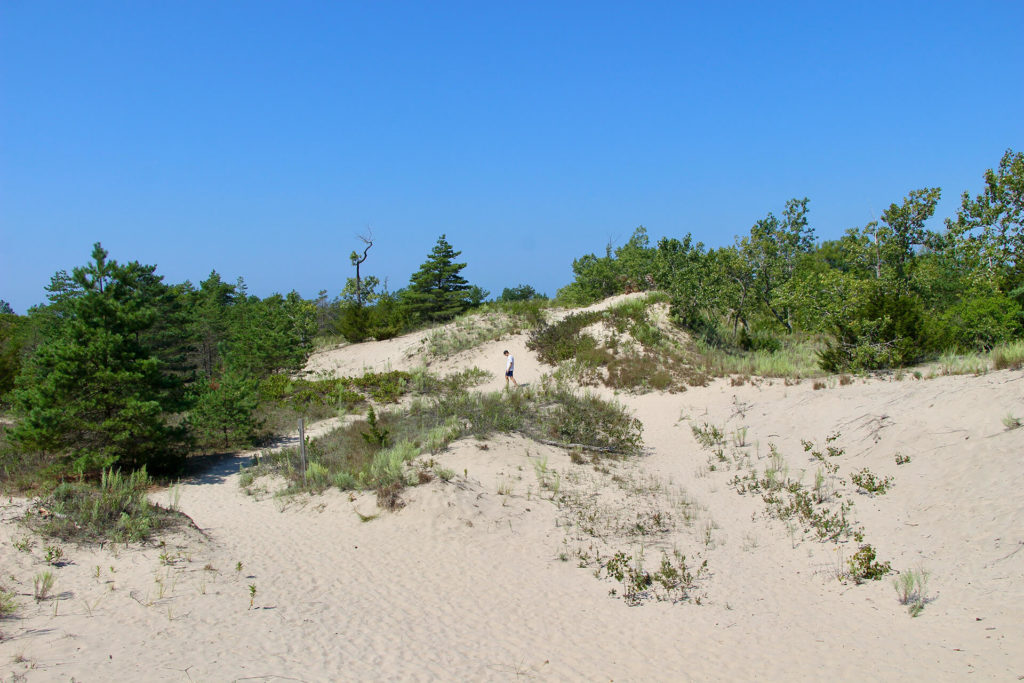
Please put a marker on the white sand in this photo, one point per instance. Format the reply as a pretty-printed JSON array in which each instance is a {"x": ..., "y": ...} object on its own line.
[{"x": 465, "y": 583}]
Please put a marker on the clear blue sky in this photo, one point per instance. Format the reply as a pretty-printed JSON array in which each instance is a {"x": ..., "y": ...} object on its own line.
[{"x": 259, "y": 138}]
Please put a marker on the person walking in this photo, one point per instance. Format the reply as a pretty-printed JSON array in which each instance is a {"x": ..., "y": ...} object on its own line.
[{"x": 510, "y": 366}]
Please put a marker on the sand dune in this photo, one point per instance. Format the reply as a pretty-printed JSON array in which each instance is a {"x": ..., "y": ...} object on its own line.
[{"x": 476, "y": 578}]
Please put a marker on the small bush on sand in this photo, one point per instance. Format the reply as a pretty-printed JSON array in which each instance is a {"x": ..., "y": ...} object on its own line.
[{"x": 864, "y": 567}]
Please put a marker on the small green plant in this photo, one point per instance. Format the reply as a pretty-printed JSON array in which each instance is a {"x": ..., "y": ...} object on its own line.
[
  {"x": 238, "y": 567},
  {"x": 671, "y": 581},
  {"x": 42, "y": 584},
  {"x": 53, "y": 554},
  {"x": 911, "y": 588},
  {"x": 8, "y": 603},
  {"x": 1011, "y": 422},
  {"x": 23, "y": 544},
  {"x": 252, "y": 594},
  {"x": 377, "y": 436},
  {"x": 739, "y": 437},
  {"x": 707, "y": 435},
  {"x": 867, "y": 480},
  {"x": 902, "y": 459},
  {"x": 505, "y": 486},
  {"x": 864, "y": 567}
]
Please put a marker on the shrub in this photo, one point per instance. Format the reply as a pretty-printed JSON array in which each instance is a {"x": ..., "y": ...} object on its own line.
[
  {"x": 886, "y": 332},
  {"x": 562, "y": 340},
  {"x": 978, "y": 324},
  {"x": 867, "y": 480},
  {"x": 863, "y": 566}
]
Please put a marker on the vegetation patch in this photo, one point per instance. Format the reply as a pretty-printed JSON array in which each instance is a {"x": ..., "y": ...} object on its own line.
[
  {"x": 621, "y": 347},
  {"x": 372, "y": 453},
  {"x": 116, "y": 509}
]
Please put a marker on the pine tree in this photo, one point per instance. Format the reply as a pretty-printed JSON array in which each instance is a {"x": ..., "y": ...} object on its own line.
[
  {"x": 95, "y": 392},
  {"x": 224, "y": 409},
  {"x": 436, "y": 291}
]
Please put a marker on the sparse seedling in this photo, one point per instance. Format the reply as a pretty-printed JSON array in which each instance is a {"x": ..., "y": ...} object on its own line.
[
  {"x": 707, "y": 435},
  {"x": 902, "y": 459},
  {"x": 23, "y": 544},
  {"x": 53, "y": 554},
  {"x": 42, "y": 584},
  {"x": 1011, "y": 422},
  {"x": 911, "y": 589},
  {"x": 252, "y": 594}
]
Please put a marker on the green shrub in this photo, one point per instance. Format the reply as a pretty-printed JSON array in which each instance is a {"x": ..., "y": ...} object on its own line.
[
  {"x": 562, "y": 340},
  {"x": 978, "y": 324},
  {"x": 888, "y": 332},
  {"x": 863, "y": 566}
]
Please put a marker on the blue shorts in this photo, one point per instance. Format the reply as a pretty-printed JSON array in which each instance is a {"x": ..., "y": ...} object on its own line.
[{"x": 508, "y": 373}]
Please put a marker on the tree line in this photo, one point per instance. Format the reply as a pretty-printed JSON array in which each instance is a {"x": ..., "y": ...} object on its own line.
[
  {"x": 883, "y": 295},
  {"x": 119, "y": 368}
]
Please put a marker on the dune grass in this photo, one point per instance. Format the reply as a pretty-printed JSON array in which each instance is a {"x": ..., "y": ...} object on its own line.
[
  {"x": 116, "y": 509},
  {"x": 372, "y": 455},
  {"x": 490, "y": 322}
]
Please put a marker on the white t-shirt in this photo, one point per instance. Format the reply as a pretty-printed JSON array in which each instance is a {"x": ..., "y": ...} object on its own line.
[{"x": 510, "y": 363}]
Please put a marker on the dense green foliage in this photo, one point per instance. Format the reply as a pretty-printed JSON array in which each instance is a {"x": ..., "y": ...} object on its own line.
[
  {"x": 437, "y": 292},
  {"x": 883, "y": 295},
  {"x": 121, "y": 369},
  {"x": 98, "y": 389}
]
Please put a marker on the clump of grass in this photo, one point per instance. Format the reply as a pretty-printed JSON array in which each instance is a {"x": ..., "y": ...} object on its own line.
[
  {"x": 902, "y": 459},
  {"x": 1008, "y": 356},
  {"x": 1011, "y": 422},
  {"x": 911, "y": 589},
  {"x": 42, "y": 584},
  {"x": 8, "y": 603},
  {"x": 795, "y": 359},
  {"x": 116, "y": 510}
]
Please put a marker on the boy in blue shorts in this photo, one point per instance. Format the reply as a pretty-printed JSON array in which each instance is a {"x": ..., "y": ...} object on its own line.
[{"x": 510, "y": 366}]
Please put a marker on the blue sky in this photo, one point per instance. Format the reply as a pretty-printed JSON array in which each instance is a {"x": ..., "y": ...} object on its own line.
[{"x": 260, "y": 138}]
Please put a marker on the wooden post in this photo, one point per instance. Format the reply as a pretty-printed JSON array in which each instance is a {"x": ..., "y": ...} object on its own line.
[{"x": 302, "y": 447}]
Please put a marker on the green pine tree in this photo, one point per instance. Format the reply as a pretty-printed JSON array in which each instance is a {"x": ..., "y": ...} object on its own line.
[
  {"x": 224, "y": 409},
  {"x": 95, "y": 393},
  {"x": 436, "y": 291}
]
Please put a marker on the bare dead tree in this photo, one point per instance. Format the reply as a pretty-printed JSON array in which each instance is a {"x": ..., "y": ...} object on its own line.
[{"x": 357, "y": 260}]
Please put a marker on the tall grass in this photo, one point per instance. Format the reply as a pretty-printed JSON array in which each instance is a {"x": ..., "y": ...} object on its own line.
[
  {"x": 116, "y": 510},
  {"x": 1008, "y": 356},
  {"x": 796, "y": 359}
]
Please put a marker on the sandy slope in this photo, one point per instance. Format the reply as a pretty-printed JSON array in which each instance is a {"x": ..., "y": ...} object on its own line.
[{"x": 466, "y": 582}]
